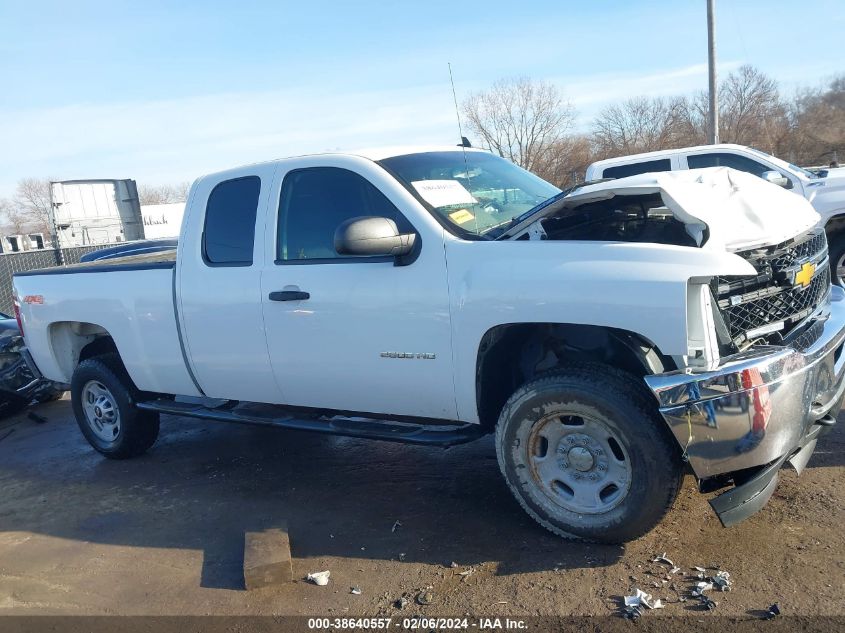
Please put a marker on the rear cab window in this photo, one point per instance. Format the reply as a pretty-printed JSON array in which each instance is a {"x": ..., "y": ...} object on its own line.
[
  {"x": 228, "y": 234},
  {"x": 634, "y": 169}
]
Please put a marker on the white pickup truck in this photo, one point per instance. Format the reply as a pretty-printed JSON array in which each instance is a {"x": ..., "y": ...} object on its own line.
[
  {"x": 611, "y": 336},
  {"x": 824, "y": 189}
]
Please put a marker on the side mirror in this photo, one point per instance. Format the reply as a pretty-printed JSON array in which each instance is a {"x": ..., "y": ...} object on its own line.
[
  {"x": 776, "y": 178},
  {"x": 372, "y": 236}
]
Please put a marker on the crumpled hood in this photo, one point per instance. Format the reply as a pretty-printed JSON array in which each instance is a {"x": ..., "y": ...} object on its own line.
[{"x": 740, "y": 210}]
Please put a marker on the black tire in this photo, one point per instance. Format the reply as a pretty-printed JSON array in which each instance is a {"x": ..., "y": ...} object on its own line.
[
  {"x": 836, "y": 252},
  {"x": 605, "y": 400},
  {"x": 137, "y": 430}
]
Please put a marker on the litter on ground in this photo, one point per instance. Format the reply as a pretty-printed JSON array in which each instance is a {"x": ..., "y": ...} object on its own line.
[
  {"x": 641, "y": 598},
  {"x": 722, "y": 581},
  {"x": 634, "y": 605},
  {"x": 320, "y": 578}
]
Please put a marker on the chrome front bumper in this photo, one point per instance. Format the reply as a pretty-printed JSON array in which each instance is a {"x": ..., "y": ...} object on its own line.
[{"x": 760, "y": 406}]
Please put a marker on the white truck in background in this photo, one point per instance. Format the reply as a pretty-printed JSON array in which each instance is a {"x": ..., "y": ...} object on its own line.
[
  {"x": 825, "y": 189},
  {"x": 611, "y": 337}
]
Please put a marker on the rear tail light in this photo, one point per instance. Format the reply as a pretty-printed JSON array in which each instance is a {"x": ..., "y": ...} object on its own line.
[{"x": 18, "y": 316}]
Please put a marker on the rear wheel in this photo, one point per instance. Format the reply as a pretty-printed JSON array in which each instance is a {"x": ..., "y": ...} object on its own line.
[
  {"x": 103, "y": 398},
  {"x": 586, "y": 454}
]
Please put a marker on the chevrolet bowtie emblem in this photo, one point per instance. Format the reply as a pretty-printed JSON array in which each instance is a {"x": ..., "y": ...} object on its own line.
[{"x": 804, "y": 276}]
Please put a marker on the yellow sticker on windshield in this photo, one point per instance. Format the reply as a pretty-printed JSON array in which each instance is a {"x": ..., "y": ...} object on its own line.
[{"x": 461, "y": 217}]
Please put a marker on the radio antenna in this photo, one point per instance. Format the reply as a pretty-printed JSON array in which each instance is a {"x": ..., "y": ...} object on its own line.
[
  {"x": 457, "y": 111},
  {"x": 463, "y": 138}
]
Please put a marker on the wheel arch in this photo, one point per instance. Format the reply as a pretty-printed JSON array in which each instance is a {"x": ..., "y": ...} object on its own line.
[
  {"x": 509, "y": 355},
  {"x": 835, "y": 223},
  {"x": 72, "y": 342},
  {"x": 835, "y": 231}
]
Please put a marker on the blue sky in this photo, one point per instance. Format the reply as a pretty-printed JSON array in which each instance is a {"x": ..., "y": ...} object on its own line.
[{"x": 163, "y": 92}]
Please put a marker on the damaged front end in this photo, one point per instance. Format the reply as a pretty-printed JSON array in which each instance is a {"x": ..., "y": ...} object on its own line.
[
  {"x": 778, "y": 382},
  {"x": 763, "y": 374},
  {"x": 758, "y": 409}
]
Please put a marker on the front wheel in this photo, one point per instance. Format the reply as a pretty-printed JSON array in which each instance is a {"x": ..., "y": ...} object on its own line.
[
  {"x": 103, "y": 398},
  {"x": 586, "y": 454}
]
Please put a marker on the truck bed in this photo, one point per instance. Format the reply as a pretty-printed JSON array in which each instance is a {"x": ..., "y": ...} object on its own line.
[
  {"x": 147, "y": 261},
  {"x": 142, "y": 322}
]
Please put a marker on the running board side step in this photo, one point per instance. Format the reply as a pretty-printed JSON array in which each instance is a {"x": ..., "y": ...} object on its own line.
[{"x": 444, "y": 435}]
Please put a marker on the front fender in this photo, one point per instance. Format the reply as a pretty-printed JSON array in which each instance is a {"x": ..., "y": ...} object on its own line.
[{"x": 640, "y": 288}]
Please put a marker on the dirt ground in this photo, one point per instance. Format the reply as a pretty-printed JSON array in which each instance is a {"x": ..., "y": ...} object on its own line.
[{"x": 163, "y": 534}]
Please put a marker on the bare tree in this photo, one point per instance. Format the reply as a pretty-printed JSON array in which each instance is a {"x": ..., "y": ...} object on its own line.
[
  {"x": 520, "y": 119},
  {"x": 32, "y": 198},
  {"x": 163, "y": 194},
  {"x": 641, "y": 124},
  {"x": 751, "y": 110},
  {"x": 566, "y": 161},
  {"x": 529, "y": 123},
  {"x": 12, "y": 218},
  {"x": 817, "y": 125}
]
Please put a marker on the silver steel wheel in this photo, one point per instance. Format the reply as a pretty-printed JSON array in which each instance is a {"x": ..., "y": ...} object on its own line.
[
  {"x": 101, "y": 410},
  {"x": 578, "y": 463},
  {"x": 840, "y": 271}
]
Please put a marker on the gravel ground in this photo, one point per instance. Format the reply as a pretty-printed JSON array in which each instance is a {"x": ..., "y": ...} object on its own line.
[{"x": 163, "y": 534}]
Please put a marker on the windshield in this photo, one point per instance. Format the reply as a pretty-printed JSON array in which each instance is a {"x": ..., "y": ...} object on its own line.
[
  {"x": 783, "y": 164},
  {"x": 476, "y": 192}
]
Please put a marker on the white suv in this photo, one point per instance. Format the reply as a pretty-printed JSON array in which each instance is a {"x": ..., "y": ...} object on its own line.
[{"x": 824, "y": 190}]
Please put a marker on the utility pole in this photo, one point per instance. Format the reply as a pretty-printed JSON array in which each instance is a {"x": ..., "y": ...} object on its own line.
[
  {"x": 711, "y": 71},
  {"x": 54, "y": 229}
]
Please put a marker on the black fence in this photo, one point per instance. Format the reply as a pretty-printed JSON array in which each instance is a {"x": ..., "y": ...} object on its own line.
[{"x": 11, "y": 263}]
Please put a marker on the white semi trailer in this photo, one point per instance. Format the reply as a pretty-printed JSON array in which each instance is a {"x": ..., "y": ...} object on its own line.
[{"x": 101, "y": 211}]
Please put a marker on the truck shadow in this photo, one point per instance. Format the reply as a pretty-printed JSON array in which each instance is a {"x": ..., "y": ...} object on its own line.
[{"x": 205, "y": 484}]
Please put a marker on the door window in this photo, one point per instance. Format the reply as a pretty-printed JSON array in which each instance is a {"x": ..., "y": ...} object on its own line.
[
  {"x": 229, "y": 230},
  {"x": 723, "y": 159},
  {"x": 314, "y": 202}
]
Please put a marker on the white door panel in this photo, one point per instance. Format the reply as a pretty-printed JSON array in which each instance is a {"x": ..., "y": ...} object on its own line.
[
  {"x": 220, "y": 305},
  {"x": 371, "y": 337},
  {"x": 342, "y": 348}
]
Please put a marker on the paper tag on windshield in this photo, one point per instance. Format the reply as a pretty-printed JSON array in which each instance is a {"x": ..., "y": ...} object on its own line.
[
  {"x": 461, "y": 217},
  {"x": 443, "y": 193}
]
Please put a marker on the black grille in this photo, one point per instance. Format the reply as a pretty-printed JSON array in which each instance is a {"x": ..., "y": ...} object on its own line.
[
  {"x": 772, "y": 296},
  {"x": 791, "y": 306},
  {"x": 791, "y": 255}
]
